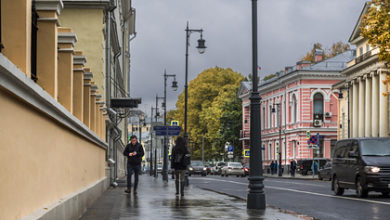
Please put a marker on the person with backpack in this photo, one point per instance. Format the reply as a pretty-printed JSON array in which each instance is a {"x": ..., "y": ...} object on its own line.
[
  {"x": 134, "y": 153},
  {"x": 179, "y": 161}
]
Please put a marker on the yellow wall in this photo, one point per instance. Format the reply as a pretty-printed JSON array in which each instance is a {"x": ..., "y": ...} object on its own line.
[
  {"x": 88, "y": 25},
  {"x": 42, "y": 161}
]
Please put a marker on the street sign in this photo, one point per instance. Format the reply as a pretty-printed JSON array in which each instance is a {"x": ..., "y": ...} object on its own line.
[
  {"x": 230, "y": 156},
  {"x": 125, "y": 103},
  {"x": 167, "y": 130},
  {"x": 174, "y": 123},
  {"x": 313, "y": 139},
  {"x": 246, "y": 153},
  {"x": 318, "y": 140},
  {"x": 230, "y": 149},
  {"x": 308, "y": 134}
]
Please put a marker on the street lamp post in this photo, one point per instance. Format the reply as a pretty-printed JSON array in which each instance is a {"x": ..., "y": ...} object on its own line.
[
  {"x": 174, "y": 87},
  {"x": 155, "y": 148},
  {"x": 201, "y": 48},
  {"x": 256, "y": 195},
  {"x": 280, "y": 137}
]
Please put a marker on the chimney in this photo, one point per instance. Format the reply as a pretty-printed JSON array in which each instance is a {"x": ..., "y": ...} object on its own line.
[
  {"x": 288, "y": 69},
  {"x": 302, "y": 63},
  {"x": 318, "y": 55}
]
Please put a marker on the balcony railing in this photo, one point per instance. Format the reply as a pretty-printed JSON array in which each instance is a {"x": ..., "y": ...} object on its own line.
[
  {"x": 363, "y": 57},
  {"x": 244, "y": 134}
]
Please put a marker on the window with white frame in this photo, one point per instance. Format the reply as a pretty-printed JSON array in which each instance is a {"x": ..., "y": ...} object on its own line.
[
  {"x": 263, "y": 118},
  {"x": 270, "y": 116},
  {"x": 294, "y": 148},
  {"x": 270, "y": 151},
  {"x": 318, "y": 106},
  {"x": 276, "y": 150},
  {"x": 294, "y": 109}
]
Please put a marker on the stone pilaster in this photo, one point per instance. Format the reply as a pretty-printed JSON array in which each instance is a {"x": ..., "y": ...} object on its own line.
[
  {"x": 47, "y": 39},
  {"x": 78, "y": 85},
  {"x": 66, "y": 41},
  {"x": 94, "y": 89},
  {"x": 375, "y": 105},
  {"x": 368, "y": 107},
  {"x": 87, "y": 97},
  {"x": 355, "y": 107},
  {"x": 362, "y": 99},
  {"x": 383, "y": 105}
]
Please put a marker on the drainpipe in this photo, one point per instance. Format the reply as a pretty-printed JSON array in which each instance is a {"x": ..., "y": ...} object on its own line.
[{"x": 116, "y": 56}]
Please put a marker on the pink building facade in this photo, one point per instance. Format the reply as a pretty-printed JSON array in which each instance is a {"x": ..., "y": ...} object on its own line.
[{"x": 297, "y": 100}]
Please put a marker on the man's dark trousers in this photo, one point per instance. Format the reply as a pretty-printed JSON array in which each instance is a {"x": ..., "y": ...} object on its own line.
[{"x": 136, "y": 169}]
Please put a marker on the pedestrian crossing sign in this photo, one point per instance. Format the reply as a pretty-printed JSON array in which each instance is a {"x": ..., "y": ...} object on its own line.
[{"x": 246, "y": 153}]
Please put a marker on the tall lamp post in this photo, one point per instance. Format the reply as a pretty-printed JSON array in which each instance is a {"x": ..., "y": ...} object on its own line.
[
  {"x": 201, "y": 48},
  {"x": 174, "y": 87},
  {"x": 155, "y": 148},
  {"x": 280, "y": 137},
  {"x": 256, "y": 195}
]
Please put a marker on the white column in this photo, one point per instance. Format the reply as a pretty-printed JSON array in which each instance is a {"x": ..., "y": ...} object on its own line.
[
  {"x": 368, "y": 114},
  {"x": 362, "y": 99},
  {"x": 355, "y": 106},
  {"x": 383, "y": 106},
  {"x": 375, "y": 105}
]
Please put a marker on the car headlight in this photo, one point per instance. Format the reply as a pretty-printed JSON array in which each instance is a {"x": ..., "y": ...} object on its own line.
[
  {"x": 371, "y": 169},
  {"x": 204, "y": 168},
  {"x": 190, "y": 168}
]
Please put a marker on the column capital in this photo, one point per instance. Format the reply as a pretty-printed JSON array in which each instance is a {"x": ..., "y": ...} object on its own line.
[
  {"x": 94, "y": 87},
  {"x": 79, "y": 58},
  {"x": 49, "y": 5},
  {"x": 66, "y": 36},
  {"x": 87, "y": 74}
]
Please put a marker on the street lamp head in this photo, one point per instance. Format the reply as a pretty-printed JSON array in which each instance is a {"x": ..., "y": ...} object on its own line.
[
  {"x": 174, "y": 85},
  {"x": 201, "y": 45},
  {"x": 157, "y": 114}
]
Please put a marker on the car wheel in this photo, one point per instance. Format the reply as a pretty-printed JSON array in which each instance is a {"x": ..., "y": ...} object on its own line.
[
  {"x": 361, "y": 190},
  {"x": 189, "y": 174},
  {"x": 336, "y": 187},
  {"x": 319, "y": 177}
]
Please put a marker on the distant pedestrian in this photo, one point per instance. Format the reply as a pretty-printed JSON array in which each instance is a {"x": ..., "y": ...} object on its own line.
[
  {"x": 272, "y": 167},
  {"x": 276, "y": 166},
  {"x": 315, "y": 167},
  {"x": 179, "y": 163},
  {"x": 293, "y": 167},
  {"x": 134, "y": 153}
]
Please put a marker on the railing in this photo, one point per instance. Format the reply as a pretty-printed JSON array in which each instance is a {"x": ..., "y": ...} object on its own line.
[
  {"x": 363, "y": 57},
  {"x": 244, "y": 134},
  {"x": 1, "y": 44}
]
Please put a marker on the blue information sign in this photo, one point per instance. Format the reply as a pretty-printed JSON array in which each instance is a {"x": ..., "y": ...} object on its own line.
[
  {"x": 230, "y": 149},
  {"x": 167, "y": 130}
]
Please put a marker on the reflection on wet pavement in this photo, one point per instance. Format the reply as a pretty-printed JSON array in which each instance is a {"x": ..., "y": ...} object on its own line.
[{"x": 156, "y": 200}]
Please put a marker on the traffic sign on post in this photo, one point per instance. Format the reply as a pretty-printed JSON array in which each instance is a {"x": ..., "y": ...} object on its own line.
[
  {"x": 167, "y": 130},
  {"x": 174, "y": 123},
  {"x": 246, "y": 153},
  {"x": 308, "y": 134}
]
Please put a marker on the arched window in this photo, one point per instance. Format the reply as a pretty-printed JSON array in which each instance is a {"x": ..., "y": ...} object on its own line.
[
  {"x": 294, "y": 109},
  {"x": 318, "y": 106}
]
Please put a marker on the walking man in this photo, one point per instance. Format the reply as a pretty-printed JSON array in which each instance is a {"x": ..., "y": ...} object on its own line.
[
  {"x": 179, "y": 162},
  {"x": 134, "y": 153}
]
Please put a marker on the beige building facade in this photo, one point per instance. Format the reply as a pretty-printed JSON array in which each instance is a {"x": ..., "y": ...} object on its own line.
[
  {"x": 54, "y": 66},
  {"x": 364, "y": 106}
]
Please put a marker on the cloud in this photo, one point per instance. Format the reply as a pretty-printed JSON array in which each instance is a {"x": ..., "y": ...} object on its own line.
[{"x": 287, "y": 29}]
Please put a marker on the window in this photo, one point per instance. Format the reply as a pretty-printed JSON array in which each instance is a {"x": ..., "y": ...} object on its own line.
[
  {"x": 360, "y": 51},
  {"x": 318, "y": 106},
  {"x": 294, "y": 108},
  {"x": 367, "y": 48},
  {"x": 319, "y": 152},
  {"x": 270, "y": 116},
  {"x": 270, "y": 151},
  {"x": 263, "y": 152},
  {"x": 276, "y": 150},
  {"x": 263, "y": 118},
  {"x": 294, "y": 149}
]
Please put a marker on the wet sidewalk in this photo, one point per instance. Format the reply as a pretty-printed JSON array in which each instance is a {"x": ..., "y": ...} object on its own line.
[{"x": 156, "y": 200}]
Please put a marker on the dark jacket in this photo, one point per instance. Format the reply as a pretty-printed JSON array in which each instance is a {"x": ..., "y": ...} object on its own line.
[
  {"x": 177, "y": 155},
  {"x": 137, "y": 159}
]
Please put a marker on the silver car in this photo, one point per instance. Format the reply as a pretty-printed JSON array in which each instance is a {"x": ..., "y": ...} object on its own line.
[{"x": 233, "y": 168}]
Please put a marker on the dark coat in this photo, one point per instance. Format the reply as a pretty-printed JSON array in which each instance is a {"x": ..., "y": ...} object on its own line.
[
  {"x": 137, "y": 159},
  {"x": 178, "y": 154}
]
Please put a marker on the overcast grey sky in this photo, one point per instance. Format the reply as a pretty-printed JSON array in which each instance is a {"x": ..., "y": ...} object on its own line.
[{"x": 287, "y": 29}]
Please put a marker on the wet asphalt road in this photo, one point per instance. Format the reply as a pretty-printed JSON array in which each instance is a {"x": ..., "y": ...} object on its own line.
[{"x": 309, "y": 197}]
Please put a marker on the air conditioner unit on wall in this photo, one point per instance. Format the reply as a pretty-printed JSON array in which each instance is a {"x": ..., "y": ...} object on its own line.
[
  {"x": 328, "y": 114},
  {"x": 317, "y": 123}
]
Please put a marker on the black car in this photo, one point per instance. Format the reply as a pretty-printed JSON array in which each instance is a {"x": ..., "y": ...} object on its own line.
[
  {"x": 304, "y": 166},
  {"x": 362, "y": 164},
  {"x": 325, "y": 172},
  {"x": 197, "y": 167}
]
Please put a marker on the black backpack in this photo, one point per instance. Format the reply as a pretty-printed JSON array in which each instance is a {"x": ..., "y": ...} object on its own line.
[{"x": 186, "y": 160}]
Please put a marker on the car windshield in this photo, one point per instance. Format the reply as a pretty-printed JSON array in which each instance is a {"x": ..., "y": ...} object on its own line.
[
  {"x": 197, "y": 163},
  {"x": 235, "y": 164},
  {"x": 159, "y": 165},
  {"x": 375, "y": 147}
]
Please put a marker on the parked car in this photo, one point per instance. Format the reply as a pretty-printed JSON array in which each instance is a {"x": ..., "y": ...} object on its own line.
[
  {"x": 216, "y": 170},
  {"x": 197, "y": 167},
  {"x": 304, "y": 165},
  {"x": 159, "y": 168},
  {"x": 208, "y": 168},
  {"x": 233, "y": 168},
  {"x": 362, "y": 164},
  {"x": 325, "y": 172},
  {"x": 246, "y": 169}
]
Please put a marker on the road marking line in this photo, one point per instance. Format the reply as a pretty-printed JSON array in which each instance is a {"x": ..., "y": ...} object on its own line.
[
  {"x": 304, "y": 184},
  {"x": 306, "y": 192}
]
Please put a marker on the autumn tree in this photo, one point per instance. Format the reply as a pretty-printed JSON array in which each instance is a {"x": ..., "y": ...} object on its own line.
[
  {"x": 376, "y": 27},
  {"x": 209, "y": 96},
  {"x": 336, "y": 48}
]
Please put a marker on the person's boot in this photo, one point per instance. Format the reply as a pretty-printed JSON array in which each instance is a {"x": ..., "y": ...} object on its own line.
[
  {"x": 128, "y": 190},
  {"x": 135, "y": 190},
  {"x": 182, "y": 188},
  {"x": 177, "y": 187}
]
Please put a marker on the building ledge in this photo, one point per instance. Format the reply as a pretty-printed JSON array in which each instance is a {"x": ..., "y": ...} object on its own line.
[
  {"x": 16, "y": 82},
  {"x": 103, "y": 4}
]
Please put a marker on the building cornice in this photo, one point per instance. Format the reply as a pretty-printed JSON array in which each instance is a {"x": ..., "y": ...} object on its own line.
[
  {"x": 67, "y": 38},
  {"x": 16, "y": 82},
  {"x": 102, "y": 4}
]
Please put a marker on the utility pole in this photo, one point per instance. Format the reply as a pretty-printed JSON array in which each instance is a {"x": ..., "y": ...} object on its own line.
[{"x": 203, "y": 149}]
